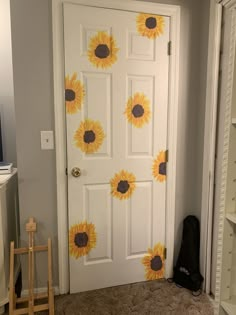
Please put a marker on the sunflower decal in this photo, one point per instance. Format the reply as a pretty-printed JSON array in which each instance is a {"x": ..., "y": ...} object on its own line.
[
  {"x": 138, "y": 110},
  {"x": 89, "y": 136},
  {"x": 74, "y": 94},
  {"x": 123, "y": 185},
  {"x": 150, "y": 25},
  {"x": 154, "y": 263},
  {"x": 82, "y": 238},
  {"x": 102, "y": 52},
  {"x": 159, "y": 167}
]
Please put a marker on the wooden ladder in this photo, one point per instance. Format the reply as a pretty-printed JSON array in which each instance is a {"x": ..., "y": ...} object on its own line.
[{"x": 14, "y": 308}]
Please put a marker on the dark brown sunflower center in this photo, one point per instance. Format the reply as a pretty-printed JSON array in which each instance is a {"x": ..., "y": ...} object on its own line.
[
  {"x": 156, "y": 263},
  {"x": 81, "y": 239},
  {"x": 123, "y": 186},
  {"x": 102, "y": 51},
  {"x": 138, "y": 110},
  {"x": 69, "y": 95},
  {"x": 89, "y": 136},
  {"x": 162, "y": 168},
  {"x": 151, "y": 23}
]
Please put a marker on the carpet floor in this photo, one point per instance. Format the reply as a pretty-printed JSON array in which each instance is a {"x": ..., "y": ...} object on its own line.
[{"x": 154, "y": 297}]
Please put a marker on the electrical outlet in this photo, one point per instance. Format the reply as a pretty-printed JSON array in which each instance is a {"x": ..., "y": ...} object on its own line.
[{"x": 47, "y": 140}]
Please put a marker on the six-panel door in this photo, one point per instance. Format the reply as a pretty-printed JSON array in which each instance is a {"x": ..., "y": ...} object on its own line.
[{"x": 116, "y": 98}]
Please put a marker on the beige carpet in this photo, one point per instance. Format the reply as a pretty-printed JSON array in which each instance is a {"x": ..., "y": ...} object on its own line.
[{"x": 154, "y": 297}]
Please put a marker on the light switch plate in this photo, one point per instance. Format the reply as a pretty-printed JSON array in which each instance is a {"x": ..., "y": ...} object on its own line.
[{"x": 47, "y": 140}]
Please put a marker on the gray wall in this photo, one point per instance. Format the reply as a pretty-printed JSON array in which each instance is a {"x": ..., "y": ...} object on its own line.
[
  {"x": 6, "y": 86},
  {"x": 33, "y": 87},
  {"x": 32, "y": 61}
]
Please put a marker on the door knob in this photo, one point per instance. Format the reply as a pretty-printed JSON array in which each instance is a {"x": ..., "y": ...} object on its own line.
[{"x": 76, "y": 172}]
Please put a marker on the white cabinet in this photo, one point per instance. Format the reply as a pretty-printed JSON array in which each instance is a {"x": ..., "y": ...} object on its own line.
[{"x": 9, "y": 230}]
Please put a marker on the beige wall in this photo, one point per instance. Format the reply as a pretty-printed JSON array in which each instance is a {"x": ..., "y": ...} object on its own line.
[
  {"x": 6, "y": 84},
  {"x": 32, "y": 62}
]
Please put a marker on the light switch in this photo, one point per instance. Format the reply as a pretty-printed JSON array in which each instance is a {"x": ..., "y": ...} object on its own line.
[{"x": 47, "y": 140}]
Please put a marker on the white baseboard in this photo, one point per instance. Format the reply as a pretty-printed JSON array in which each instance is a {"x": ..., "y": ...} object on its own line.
[
  {"x": 4, "y": 302},
  {"x": 40, "y": 290}
]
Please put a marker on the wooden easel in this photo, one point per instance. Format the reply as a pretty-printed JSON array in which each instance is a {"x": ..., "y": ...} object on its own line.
[{"x": 31, "y": 228}]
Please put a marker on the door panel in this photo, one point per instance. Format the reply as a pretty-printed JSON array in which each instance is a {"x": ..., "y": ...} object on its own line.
[
  {"x": 117, "y": 109},
  {"x": 139, "y": 216},
  {"x": 97, "y": 199},
  {"x": 102, "y": 82}
]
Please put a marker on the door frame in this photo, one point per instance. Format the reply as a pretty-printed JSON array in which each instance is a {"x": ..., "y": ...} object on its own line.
[
  {"x": 209, "y": 151},
  {"x": 222, "y": 163},
  {"x": 211, "y": 244},
  {"x": 171, "y": 11}
]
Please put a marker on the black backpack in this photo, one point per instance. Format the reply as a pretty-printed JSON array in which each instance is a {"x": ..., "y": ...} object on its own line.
[{"x": 186, "y": 271}]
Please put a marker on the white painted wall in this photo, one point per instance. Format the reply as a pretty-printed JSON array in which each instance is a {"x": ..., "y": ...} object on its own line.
[
  {"x": 32, "y": 61},
  {"x": 6, "y": 84}
]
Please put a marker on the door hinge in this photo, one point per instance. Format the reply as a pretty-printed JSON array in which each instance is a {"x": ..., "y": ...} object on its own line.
[
  {"x": 169, "y": 48},
  {"x": 165, "y": 253},
  {"x": 66, "y": 171},
  {"x": 167, "y": 155}
]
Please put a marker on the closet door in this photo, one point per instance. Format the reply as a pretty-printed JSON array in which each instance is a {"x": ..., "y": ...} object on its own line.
[{"x": 116, "y": 97}]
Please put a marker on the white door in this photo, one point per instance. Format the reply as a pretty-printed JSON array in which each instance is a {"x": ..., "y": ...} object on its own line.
[{"x": 116, "y": 97}]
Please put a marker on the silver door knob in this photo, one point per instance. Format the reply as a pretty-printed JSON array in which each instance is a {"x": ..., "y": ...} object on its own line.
[{"x": 76, "y": 172}]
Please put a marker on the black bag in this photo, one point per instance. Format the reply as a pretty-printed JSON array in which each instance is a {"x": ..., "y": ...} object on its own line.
[{"x": 186, "y": 271}]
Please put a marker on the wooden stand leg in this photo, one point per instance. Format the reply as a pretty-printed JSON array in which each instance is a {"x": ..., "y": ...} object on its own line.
[
  {"x": 31, "y": 228},
  {"x": 50, "y": 288},
  {"x": 31, "y": 273},
  {"x": 14, "y": 301},
  {"x": 11, "y": 284}
]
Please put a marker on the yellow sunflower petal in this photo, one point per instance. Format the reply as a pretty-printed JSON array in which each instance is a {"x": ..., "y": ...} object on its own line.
[
  {"x": 150, "y": 25},
  {"x": 154, "y": 264},
  {"x": 138, "y": 110},
  {"x": 82, "y": 238},
  {"x": 158, "y": 248},
  {"x": 162, "y": 156},
  {"x": 146, "y": 261},
  {"x": 74, "y": 94},
  {"x": 74, "y": 77},
  {"x": 159, "y": 167},
  {"x": 102, "y": 51},
  {"x": 89, "y": 136},
  {"x": 123, "y": 185}
]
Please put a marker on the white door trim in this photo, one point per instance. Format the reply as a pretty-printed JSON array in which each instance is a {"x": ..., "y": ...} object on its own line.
[
  {"x": 209, "y": 144},
  {"x": 60, "y": 137},
  {"x": 222, "y": 241}
]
